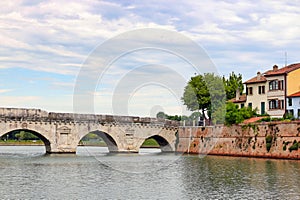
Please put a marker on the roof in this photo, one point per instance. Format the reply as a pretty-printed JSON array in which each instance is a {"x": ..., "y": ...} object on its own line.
[
  {"x": 253, "y": 119},
  {"x": 241, "y": 99},
  {"x": 297, "y": 94},
  {"x": 260, "y": 78},
  {"x": 256, "y": 79},
  {"x": 283, "y": 70}
]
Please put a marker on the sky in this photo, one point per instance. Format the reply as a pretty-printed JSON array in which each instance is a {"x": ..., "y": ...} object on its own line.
[{"x": 45, "y": 46}]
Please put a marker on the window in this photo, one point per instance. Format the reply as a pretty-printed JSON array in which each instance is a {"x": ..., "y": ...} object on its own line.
[
  {"x": 242, "y": 105},
  {"x": 276, "y": 85},
  {"x": 261, "y": 89},
  {"x": 298, "y": 113},
  {"x": 249, "y": 91},
  {"x": 290, "y": 112},
  {"x": 276, "y": 104},
  {"x": 290, "y": 102},
  {"x": 250, "y": 105}
]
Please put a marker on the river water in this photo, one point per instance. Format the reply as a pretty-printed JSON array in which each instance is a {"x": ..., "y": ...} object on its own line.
[{"x": 26, "y": 173}]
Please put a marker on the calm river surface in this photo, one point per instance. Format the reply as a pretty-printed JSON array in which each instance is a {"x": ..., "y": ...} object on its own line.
[{"x": 26, "y": 173}]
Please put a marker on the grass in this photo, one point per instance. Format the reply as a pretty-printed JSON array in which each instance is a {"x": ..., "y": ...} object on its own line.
[
  {"x": 100, "y": 143},
  {"x": 21, "y": 142},
  {"x": 150, "y": 143}
]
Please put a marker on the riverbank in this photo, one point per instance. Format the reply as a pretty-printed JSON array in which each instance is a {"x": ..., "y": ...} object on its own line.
[
  {"x": 22, "y": 143},
  {"x": 264, "y": 140}
]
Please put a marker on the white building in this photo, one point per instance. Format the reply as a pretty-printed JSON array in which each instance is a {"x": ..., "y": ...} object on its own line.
[{"x": 256, "y": 93}]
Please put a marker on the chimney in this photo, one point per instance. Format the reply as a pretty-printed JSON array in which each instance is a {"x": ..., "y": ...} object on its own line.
[
  {"x": 237, "y": 94},
  {"x": 275, "y": 68},
  {"x": 258, "y": 75}
]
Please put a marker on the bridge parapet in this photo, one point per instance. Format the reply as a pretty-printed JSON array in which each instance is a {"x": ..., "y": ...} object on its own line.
[
  {"x": 62, "y": 132},
  {"x": 36, "y": 115}
]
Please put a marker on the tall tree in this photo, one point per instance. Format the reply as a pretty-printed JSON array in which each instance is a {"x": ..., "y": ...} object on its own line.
[
  {"x": 232, "y": 84},
  {"x": 204, "y": 92},
  {"x": 196, "y": 94}
]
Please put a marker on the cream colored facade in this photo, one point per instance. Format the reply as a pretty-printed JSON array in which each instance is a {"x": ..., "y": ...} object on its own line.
[
  {"x": 278, "y": 83},
  {"x": 276, "y": 96},
  {"x": 257, "y": 100}
]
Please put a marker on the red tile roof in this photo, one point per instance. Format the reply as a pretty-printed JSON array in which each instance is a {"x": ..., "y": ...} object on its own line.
[
  {"x": 283, "y": 70},
  {"x": 241, "y": 99},
  {"x": 253, "y": 119},
  {"x": 256, "y": 79},
  {"x": 273, "y": 72},
  {"x": 297, "y": 94}
]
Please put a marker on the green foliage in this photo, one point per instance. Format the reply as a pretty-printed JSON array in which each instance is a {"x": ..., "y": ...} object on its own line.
[
  {"x": 269, "y": 140},
  {"x": 163, "y": 115},
  {"x": 188, "y": 119},
  {"x": 23, "y": 135},
  {"x": 288, "y": 116},
  {"x": 91, "y": 136},
  {"x": 284, "y": 147},
  {"x": 206, "y": 92},
  {"x": 266, "y": 119},
  {"x": 196, "y": 94},
  {"x": 295, "y": 146},
  {"x": 150, "y": 142},
  {"x": 232, "y": 84},
  {"x": 234, "y": 115},
  {"x": 268, "y": 146}
]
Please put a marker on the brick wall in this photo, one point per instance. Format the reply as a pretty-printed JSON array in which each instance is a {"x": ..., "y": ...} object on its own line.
[{"x": 268, "y": 139}]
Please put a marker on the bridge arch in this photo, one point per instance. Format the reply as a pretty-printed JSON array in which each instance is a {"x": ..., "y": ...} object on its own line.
[
  {"x": 108, "y": 139},
  {"x": 163, "y": 143},
  {"x": 45, "y": 140}
]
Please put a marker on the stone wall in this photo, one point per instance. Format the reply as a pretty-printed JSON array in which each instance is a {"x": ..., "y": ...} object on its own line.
[{"x": 268, "y": 139}]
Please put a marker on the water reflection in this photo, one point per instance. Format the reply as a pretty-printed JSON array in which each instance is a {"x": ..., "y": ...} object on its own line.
[
  {"x": 95, "y": 174},
  {"x": 227, "y": 177}
]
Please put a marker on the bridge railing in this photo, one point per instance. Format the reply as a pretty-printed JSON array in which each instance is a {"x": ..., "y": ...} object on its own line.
[{"x": 22, "y": 114}]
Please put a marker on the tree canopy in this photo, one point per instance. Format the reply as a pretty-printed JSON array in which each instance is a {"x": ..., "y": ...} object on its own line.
[
  {"x": 205, "y": 93},
  {"x": 234, "y": 115},
  {"x": 232, "y": 84}
]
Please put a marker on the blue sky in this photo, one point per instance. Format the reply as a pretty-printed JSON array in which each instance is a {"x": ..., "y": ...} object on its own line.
[{"x": 44, "y": 44}]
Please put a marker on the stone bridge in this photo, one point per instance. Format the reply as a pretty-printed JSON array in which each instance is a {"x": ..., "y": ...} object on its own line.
[{"x": 62, "y": 132}]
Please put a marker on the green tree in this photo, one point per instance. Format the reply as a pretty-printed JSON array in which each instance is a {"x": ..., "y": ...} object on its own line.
[
  {"x": 24, "y": 135},
  {"x": 205, "y": 92},
  {"x": 161, "y": 115},
  {"x": 234, "y": 115},
  {"x": 232, "y": 84}
]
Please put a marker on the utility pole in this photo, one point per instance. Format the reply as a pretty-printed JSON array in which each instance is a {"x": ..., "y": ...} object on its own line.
[{"x": 285, "y": 54}]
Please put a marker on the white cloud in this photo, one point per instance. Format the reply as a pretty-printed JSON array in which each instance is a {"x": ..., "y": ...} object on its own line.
[
  {"x": 56, "y": 37},
  {"x": 5, "y": 90}
]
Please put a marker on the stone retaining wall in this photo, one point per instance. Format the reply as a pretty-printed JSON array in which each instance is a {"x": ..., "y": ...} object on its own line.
[{"x": 268, "y": 139}]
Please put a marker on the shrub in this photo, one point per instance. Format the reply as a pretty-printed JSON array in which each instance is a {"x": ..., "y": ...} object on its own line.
[
  {"x": 268, "y": 145},
  {"x": 295, "y": 146},
  {"x": 234, "y": 115},
  {"x": 269, "y": 139}
]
